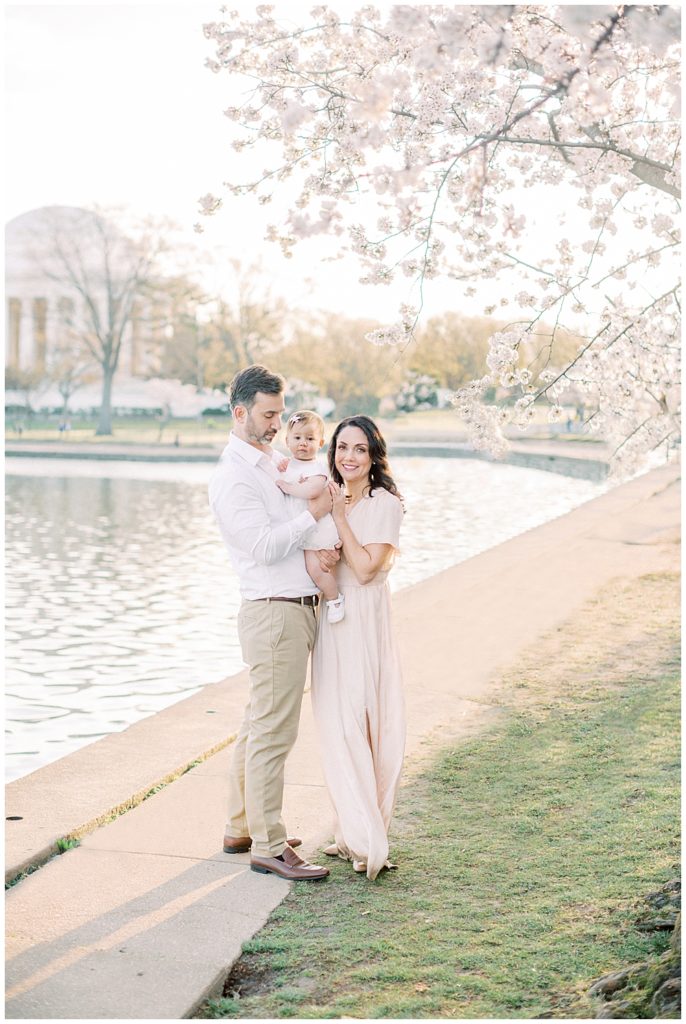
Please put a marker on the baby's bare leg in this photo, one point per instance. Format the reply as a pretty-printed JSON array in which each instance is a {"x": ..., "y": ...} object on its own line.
[{"x": 326, "y": 581}]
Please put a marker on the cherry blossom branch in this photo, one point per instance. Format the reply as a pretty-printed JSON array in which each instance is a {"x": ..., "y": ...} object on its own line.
[
  {"x": 386, "y": 104},
  {"x": 604, "y": 147},
  {"x": 632, "y": 262}
]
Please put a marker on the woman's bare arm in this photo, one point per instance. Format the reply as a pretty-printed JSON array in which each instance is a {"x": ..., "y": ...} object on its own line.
[{"x": 364, "y": 560}]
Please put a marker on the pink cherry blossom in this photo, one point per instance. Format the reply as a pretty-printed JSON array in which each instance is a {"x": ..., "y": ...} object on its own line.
[{"x": 534, "y": 147}]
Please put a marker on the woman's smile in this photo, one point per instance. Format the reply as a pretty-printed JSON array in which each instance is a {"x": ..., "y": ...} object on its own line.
[{"x": 352, "y": 454}]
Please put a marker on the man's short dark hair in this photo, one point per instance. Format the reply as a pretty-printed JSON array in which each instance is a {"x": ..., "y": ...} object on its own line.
[{"x": 245, "y": 385}]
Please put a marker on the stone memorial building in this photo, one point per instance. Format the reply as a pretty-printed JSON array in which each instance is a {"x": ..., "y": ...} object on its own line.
[{"x": 49, "y": 253}]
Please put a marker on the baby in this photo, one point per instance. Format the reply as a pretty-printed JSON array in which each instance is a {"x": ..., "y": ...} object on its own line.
[{"x": 305, "y": 477}]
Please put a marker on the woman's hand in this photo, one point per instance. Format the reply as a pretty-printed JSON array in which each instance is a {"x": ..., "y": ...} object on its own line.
[{"x": 338, "y": 497}]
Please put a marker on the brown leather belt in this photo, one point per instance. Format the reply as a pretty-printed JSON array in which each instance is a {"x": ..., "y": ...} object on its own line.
[{"x": 311, "y": 600}]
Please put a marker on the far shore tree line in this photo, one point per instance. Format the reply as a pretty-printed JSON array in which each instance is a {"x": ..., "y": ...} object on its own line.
[
  {"x": 328, "y": 352},
  {"x": 203, "y": 340},
  {"x": 326, "y": 358}
]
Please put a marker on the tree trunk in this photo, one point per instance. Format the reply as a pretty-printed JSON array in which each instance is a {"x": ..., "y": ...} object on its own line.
[
  {"x": 199, "y": 374},
  {"x": 105, "y": 419},
  {"x": 66, "y": 395}
]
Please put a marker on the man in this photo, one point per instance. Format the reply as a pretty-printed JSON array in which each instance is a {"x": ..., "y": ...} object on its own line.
[{"x": 276, "y": 621}]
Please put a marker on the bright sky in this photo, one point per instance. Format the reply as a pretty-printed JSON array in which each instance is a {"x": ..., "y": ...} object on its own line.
[{"x": 112, "y": 105}]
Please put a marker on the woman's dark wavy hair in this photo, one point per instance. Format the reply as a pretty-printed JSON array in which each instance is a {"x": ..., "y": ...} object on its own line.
[{"x": 379, "y": 473}]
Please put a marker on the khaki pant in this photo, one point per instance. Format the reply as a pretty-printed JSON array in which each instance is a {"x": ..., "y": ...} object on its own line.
[{"x": 276, "y": 639}]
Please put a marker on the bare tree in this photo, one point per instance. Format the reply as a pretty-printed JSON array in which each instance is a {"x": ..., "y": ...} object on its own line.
[
  {"x": 70, "y": 365},
  {"x": 214, "y": 337},
  {"x": 28, "y": 383},
  {"x": 256, "y": 316},
  {"x": 108, "y": 272}
]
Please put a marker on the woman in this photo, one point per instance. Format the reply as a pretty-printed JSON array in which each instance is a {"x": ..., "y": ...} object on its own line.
[{"x": 356, "y": 684}]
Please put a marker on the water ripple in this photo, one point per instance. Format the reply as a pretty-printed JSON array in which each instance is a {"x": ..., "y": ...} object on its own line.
[{"x": 120, "y": 599}]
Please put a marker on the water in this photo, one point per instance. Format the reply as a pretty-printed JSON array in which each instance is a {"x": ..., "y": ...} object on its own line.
[{"x": 121, "y": 600}]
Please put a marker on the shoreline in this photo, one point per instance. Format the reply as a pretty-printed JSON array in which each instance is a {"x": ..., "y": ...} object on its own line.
[
  {"x": 162, "y": 861},
  {"x": 587, "y": 460}
]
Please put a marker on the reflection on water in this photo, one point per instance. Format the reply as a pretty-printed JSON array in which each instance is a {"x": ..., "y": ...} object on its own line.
[{"x": 121, "y": 600}]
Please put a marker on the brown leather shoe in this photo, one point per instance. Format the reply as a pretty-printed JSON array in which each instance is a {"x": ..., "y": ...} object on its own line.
[
  {"x": 243, "y": 845},
  {"x": 289, "y": 866}
]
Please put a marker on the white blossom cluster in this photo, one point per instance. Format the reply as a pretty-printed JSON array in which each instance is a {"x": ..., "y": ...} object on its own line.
[
  {"x": 419, "y": 391},
  {"x": 441, "y": 118},
  {"x": 399, "y": 333}
]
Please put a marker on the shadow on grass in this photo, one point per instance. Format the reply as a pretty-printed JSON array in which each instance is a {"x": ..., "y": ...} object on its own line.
[{"x": 523, "y": 855}]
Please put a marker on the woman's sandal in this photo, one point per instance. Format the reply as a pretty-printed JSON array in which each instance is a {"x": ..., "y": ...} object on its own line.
[
  {"x": 358, "y": 865},
  {"x": 333, "y": 851},
  {"x": 361, "y": 866}
]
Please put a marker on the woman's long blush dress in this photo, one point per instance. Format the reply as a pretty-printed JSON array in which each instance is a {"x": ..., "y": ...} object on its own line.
[{"x": 357, "y": 695}]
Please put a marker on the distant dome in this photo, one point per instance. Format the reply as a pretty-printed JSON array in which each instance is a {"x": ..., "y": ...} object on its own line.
[
  {"x": 29, "y": 242},
  {"x": 46, "y": 215},
  {"x": 61, "y": 265}
]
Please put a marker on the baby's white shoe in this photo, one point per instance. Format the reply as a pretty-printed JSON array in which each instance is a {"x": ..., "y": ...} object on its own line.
[{"x": 335, "y": 610}]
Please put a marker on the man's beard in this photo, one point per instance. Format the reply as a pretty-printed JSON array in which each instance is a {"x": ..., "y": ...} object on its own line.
[{"x": 256, "y": 438}]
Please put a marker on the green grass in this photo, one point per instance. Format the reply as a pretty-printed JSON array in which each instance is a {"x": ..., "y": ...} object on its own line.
[
  {"x": 67, "y": 844},
  {"x": 212, "y": 430},
  {"x": 125, "y": 430},
  {"x": 11, "y": 882},
  {"x": 62, "y": 846},
  {"x": 523, "y": 854}
]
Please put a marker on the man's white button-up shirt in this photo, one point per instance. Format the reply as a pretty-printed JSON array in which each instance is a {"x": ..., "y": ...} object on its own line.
[{"x": 253, "y": 518}]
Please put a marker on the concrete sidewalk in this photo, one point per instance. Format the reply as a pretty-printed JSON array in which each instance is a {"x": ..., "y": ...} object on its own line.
[{"x": 145, "y": 918}]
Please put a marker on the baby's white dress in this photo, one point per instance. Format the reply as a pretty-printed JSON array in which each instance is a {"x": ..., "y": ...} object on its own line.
[{"x": 324, "y": 534}]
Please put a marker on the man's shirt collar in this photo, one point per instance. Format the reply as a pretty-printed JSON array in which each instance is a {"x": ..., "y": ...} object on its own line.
[{"x": 248, "y": 452}]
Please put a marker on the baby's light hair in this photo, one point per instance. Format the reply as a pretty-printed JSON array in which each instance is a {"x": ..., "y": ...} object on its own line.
[{"x": 302, "y": 418}]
